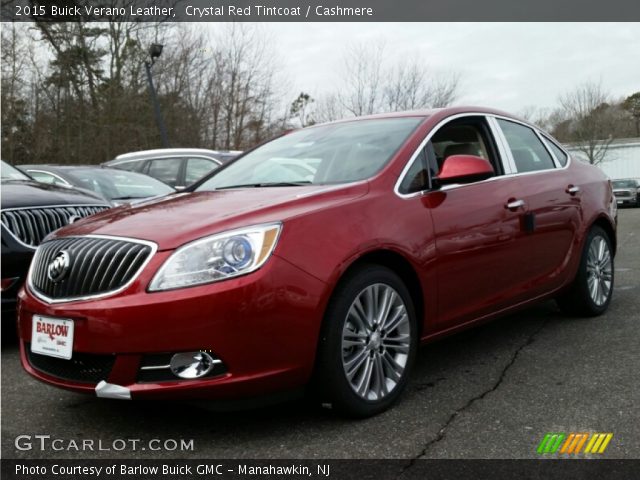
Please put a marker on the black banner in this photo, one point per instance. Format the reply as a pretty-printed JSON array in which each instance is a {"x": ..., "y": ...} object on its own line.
[
  {"x": 321, "y": 10},
  {"x": 334, "y": 469}
]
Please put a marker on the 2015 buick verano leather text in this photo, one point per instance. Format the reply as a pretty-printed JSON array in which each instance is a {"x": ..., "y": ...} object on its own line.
[{"x": 322, "y": 258}]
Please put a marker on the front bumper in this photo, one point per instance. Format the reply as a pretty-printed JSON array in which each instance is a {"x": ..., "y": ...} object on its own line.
[
  {"x": 263, "y": 326},
  {"x": 627, "y": 201}
]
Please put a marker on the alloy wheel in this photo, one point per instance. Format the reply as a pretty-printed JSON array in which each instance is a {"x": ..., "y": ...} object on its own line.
[
  {"x": 599, "y": 271},
  {"x": 376, "y": 339}
]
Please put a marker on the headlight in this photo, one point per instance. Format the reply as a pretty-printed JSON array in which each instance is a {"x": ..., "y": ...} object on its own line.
[{"x": 217, "y": 257}]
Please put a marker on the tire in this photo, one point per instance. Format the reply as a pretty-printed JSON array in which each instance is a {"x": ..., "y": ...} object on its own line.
[
  {"x": 590, "y": 292},
  {"x": 378, "y": 351}
]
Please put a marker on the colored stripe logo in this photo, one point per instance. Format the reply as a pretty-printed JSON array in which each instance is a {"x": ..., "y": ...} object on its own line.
[{"x": 573, "y": 443}]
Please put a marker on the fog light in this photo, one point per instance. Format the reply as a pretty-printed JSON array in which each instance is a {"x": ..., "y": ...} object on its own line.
[{"x": 191, "y": 365}]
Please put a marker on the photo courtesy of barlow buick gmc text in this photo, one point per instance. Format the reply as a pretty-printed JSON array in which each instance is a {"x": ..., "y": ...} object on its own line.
[{"x": 326, "y": 240}]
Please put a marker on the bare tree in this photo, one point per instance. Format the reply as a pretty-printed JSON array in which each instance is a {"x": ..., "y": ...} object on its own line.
[
  {"x": 15, "y": 108},
  {"x": 444, "y": 89},
  {"x": 362, "y": 83},
  {"x": 406, "y": 87},
  {"x": 410, "y": 85},
  {"x": 328, "y": 108},
  {"x": 373, "y": 83},
  {"x": 542, "y": 117},
  {"x": 592, "y": 120}
]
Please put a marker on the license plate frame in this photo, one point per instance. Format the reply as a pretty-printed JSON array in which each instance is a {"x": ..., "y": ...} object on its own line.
[{"x": 52, "y": 336}]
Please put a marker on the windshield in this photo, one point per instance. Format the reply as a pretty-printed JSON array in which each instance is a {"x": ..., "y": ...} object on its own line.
[
  {"x": 336, "y": 153},
  {"x": 12, "y": 173},
  {"x": 624, "y": 184},
  {"x": 118, "y": 184}
]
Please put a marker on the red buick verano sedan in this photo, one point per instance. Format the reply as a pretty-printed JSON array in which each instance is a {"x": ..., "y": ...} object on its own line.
[{"x": 323, "y": 258}]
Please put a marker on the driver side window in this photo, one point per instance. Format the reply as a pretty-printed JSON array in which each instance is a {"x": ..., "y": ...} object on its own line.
[{"x": 463, "y": 136}]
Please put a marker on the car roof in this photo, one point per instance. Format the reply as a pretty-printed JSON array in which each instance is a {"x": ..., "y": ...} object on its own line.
[
  {"x": 167, "y": 152},
  {"x": 431, "y": 112},
  {"x": 53, "y": 166}
]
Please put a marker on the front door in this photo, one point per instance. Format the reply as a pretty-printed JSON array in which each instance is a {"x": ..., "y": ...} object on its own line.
[{"x": 478, "y": 228}]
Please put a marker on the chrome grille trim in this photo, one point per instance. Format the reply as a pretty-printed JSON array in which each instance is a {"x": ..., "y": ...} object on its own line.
[
  {"x": 84, "y": 275},
  {"x": 30, "y": 225}
]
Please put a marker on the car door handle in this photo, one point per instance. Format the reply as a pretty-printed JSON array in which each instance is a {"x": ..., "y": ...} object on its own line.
[
  {"x": 572, "y": 189},
  {"x": 514, "y": 204}
]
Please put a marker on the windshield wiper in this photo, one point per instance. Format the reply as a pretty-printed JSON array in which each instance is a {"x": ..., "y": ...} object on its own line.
[{"x": 266, "y": 184}]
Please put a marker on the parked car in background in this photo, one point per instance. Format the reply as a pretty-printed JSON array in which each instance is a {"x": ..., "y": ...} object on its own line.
[
  {"x": 627, "y": 191},
  {"x": 30, "y": 211},
  {"x": 116, "y": 186},
  {"x": 414, "y": 226},
  {"x": 177, "y": 167}
]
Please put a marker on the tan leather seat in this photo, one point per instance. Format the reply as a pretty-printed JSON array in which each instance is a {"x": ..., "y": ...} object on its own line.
[{"x": 461, "y": 149}]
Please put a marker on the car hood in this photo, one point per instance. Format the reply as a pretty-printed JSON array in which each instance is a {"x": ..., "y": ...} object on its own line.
[
  {"x": 27, "y": 193},
  {"x": 177, "y": 219}
]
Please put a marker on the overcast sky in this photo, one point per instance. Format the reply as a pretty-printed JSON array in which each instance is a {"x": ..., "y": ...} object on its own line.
[{"x": 505, "y": 65}]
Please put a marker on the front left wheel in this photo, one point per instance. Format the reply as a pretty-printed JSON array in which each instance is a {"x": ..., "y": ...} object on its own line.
[{"x": 368, "y": 342}]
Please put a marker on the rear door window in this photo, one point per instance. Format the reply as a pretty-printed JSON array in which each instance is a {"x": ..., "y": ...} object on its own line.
[
  {"x": 198, "y": 168},
  {"x": 132, "y": 166},
  {"x": 529, "y": 154},
  {"x": 557, "y": 151},
  {"x": 166, "y": 170}
]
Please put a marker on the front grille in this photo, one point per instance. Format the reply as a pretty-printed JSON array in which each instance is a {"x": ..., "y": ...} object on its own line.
[
  {"x": 82, "y": 368},
  {"x": 31, "y": 225},
  {"x": 622, "y": 194},
  {"x": 96, "y": 265}
]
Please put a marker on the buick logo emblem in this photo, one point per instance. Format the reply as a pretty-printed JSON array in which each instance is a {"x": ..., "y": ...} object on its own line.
[
  {"x": 73, "y": 218},
  {"x": 59, "y": 267}
]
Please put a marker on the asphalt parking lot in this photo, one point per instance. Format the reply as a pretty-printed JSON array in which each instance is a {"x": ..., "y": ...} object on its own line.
[{"x": 491, "y": 392}]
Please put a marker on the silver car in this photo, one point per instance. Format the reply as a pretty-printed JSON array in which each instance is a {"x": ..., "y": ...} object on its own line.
[
  {"x": 627, "y": 192},
  {"x": 177, "y": 167}
]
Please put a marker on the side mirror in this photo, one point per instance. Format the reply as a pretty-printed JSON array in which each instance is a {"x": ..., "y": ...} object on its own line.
[{"x": 464, "y": 168}]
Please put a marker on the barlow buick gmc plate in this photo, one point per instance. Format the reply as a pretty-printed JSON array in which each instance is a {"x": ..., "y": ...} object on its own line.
[{"x": 52, "y": 336}]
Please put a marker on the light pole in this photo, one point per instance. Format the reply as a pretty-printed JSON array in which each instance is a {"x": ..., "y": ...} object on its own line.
[{"x": 155, "y": 50}]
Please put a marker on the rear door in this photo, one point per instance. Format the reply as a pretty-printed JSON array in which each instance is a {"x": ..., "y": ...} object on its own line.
[{"x": 552, "y": 204}]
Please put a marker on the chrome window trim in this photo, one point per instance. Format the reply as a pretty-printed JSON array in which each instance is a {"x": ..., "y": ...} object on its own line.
[
  {"x": 546, "y": 140},
  {"x": 508, "y": 162},
  {"x": 31, "y": 247},
  {"x": 506, "y": 159},
  {"x": 548, "y": 149},
  {"x": 154, "y": 249},
  {"x": 46, "y": 172}
]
